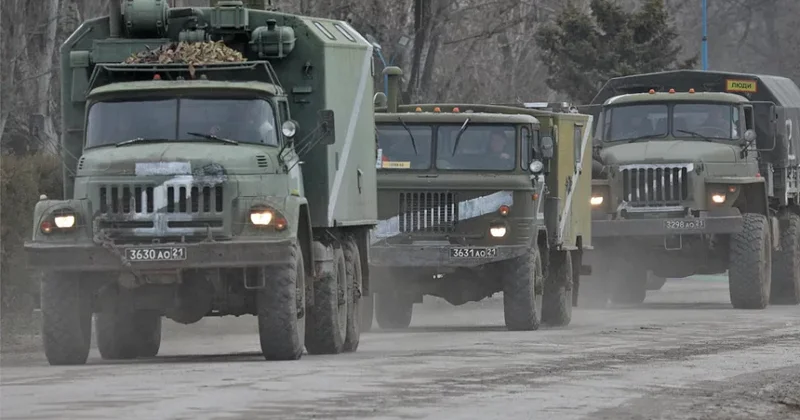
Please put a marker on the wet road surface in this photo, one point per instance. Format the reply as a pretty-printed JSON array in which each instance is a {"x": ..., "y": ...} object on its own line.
[{"x": 683, "y": 354}]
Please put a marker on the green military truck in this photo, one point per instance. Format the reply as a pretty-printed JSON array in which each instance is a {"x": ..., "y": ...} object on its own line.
[
  {"x": 461, "y": 199},
  {"x": 697, "y": 173},
  {"x": 186, "y": 196}
]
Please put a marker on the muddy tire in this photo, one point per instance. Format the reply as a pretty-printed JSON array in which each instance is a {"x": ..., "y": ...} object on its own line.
[
  {"x": 326, "y": 323},
  {"x": 148, "y": 331},
  {"x": 352, "y": 262},
  {"x": 750, "y": 264},
  {"x": 393, "y": 311},
  {"x": 66, "y": 319},
  {"x": 557, "y": 300},
  {"x": 786, "y": 263},
  {"x": 522, "y": 300},
  {"x": 367, "y": 309},
  {"x": 281, "y": 310}
]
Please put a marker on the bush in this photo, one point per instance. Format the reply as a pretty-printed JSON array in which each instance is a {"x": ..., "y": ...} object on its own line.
[{"x": 23, "y": 180}]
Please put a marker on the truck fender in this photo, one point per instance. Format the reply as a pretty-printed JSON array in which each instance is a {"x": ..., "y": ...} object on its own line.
[
  {"x": 45, "y": 208},
  {"x": 300, "y": 223}
]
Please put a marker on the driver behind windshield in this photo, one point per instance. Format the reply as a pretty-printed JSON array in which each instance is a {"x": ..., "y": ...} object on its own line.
[
  {"x": 718, "y": 121},
  {"x": 246, "y": 122},
  {"x": 499, "y": 147}
]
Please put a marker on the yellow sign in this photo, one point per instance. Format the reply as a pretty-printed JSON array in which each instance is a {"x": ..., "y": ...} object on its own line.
[
  {"x": 396, "y": 165},
  {"x": 749, "y": 86}
]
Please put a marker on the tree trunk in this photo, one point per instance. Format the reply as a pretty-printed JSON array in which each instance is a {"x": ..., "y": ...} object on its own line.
[{"x": 47, "y": 134}]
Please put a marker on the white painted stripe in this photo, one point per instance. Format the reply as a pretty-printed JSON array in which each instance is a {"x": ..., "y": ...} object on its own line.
[
  {"x": 587, "y": 131},
  {"x": 467, "y": 209},
  {"x": 358, "y": 103}
]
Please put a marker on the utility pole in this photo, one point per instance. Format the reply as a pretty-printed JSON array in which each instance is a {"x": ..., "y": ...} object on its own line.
[{"x": 705, "y": 35}]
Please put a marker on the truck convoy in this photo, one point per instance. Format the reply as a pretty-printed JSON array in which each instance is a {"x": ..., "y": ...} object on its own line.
[
  {"x": 697, "y": 173},
  {"x": 185, "y": 192},
  {"x": 461, "y": 193}
]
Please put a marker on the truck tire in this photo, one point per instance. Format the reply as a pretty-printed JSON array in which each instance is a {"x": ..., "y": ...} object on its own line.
[
  {"x": 66, "y": 319},
  {"x": 522, "y": 301},
  {"x": 655, "y": 282},
  {"x": 148, "y": 332},
  {"x": 786, "y": 263},
  {"x": 281, "y": 310},
  {"x": 750, "y": 264},
  {"x": 367, "y": 309},
  {"x": 326, "y": 323},
  {"x": 393, "y": 312},
  {"x": 628, "y": 285},
  {"x": 557, "y": 300},
  {"x": 127, "y": 335},
  {"x": 352, "y": 262}
]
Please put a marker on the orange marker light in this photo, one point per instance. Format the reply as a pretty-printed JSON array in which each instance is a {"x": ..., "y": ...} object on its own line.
[
  {"x": 691, "y": 90},
  {"x": 437, "y": 109},
  {"x": 732, "y": 188},
  {"x": 504, "y": 210},
  {"x": 455, "y": 109},
  {"x": 419, "y": 109},
  {"x": 672, "y": 91},
  {"x": 535, "y": 196},
  {"x": 652, "y": 91},
  {"x": 157, "y": 77}
]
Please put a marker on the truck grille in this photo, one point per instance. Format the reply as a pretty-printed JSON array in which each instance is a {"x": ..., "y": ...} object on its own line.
[
  {"x": 140, "y": 199},
  {"x": 435, "y": 212},
  {"x": 655, "y": 185}
]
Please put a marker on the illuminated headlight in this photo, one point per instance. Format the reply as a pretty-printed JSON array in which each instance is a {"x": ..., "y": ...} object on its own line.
[
  {"x": 498, "y": 231},
  {"x": 65, "y": 221},
  {"x": 718, "y": 198},
  {"x": 596, "y": 200},
  {"x": 261, "y": 217}
]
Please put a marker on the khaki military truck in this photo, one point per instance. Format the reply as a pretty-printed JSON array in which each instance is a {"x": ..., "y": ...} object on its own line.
[
  {"x": 698, "y": 174},
  {"x": 185, "y": 195},
  {"x": 477, "y": 199}
]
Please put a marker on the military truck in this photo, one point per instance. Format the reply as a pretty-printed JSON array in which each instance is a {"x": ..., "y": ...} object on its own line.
[
  {"x": 698, "y": 174},
  {"x": 164, "y": 216},
  {"x": 457, "y": 224}
]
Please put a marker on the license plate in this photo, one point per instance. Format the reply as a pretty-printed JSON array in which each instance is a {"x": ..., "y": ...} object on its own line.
[
  {"x": 682, "y": 224},
  {"x": 167, "y": 253},
  {"x": 473, "y": 252}
]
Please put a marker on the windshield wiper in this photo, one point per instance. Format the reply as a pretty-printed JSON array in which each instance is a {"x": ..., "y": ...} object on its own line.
[
  {"x": 458, "y": 137},
  {"x": 212, "y": 137},
  {"x": 413, "y": 142},
  {"x": 695, "y": 134},
  {"x": 646, "y": 136},
  {"x": 141, "y": 140}
]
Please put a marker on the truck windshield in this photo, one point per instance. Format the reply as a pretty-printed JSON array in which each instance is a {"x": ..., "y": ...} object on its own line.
[
  {"x": 481, "y": 147},
  {"x": 717, "y": 121},
  {"x": 242, "y": 120},
  {"x": 635, "y": 121},
  {"x": 396, "y": 148}
]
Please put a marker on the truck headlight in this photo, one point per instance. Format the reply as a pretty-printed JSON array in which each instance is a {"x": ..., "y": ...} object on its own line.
[
  {"x": 65, "y": 221},
  {"x": 497, "y": 231},
  {"x": 260, "y": 217},
  {"x": 718, "y": 198},
  {"x": 536, "y": 166},
  {"x": 596, "y": 200}
]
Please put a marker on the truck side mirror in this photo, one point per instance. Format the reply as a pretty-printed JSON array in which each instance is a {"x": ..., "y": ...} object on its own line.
[
  {"x": 327, "y": 127},
  {"x": 547, "y": 147}
]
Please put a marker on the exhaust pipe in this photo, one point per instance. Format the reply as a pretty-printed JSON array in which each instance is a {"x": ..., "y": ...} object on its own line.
[
  {"x": 114, "y": 18},
  {"x": 393, "y": 74}
]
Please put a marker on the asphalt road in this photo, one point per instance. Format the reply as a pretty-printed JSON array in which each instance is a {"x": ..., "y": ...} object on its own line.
[{"x": 684, "y": 354}]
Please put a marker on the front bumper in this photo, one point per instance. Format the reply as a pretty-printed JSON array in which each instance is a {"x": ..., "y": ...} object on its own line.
[
  {"x": 92, "y": 257},
  {"x": 425, "y": 255},
  {"x": 713, "y": 222}
]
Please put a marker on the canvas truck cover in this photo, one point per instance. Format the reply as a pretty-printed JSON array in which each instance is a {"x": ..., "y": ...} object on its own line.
[{"x": 781, "y": 91}]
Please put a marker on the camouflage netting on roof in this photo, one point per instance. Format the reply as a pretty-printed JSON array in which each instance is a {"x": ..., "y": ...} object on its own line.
[{"x": 195, "y": 53}]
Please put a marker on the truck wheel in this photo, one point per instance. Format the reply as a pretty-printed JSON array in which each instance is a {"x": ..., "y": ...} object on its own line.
[
  {"x": 393, "y": 312},
  {"x": 281, "y": 310},
  {"x": 522, "y": 299},
  {"x": 655, "y": 282},
  {"x": 352, "y": 262},
  {"x": 557, "y": 300},
  {"x": 786, "y": 263},
  {"x": 750, "y": 264},
  {"x": 148, "y": 333},
  {"x": 628, "y": 284},
  {"x": 66, "y": 319},
  {"x": 326, "y": 324},
  {"x": 367, "y": 309}
]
